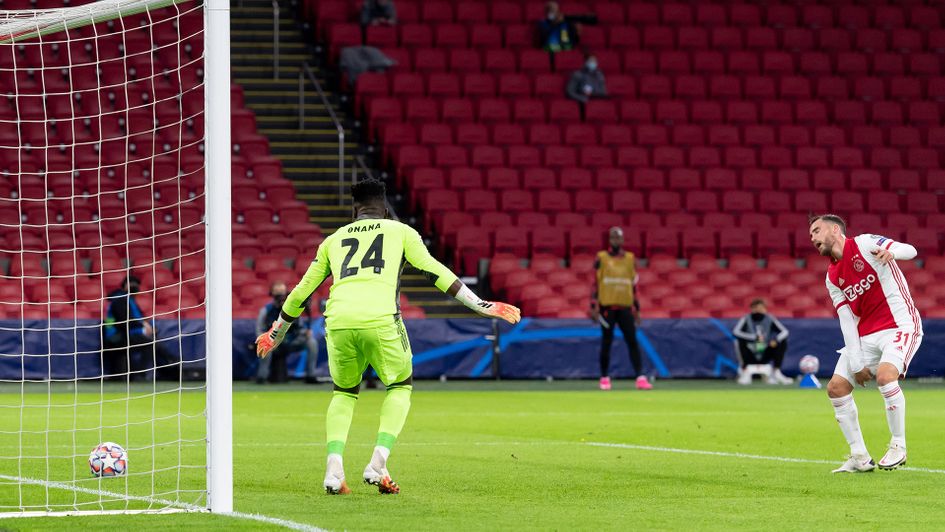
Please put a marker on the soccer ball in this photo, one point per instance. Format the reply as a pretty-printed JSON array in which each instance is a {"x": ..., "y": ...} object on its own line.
[
  {"x": 809, "y": 364},
  {"x": 108, "y": 460}
]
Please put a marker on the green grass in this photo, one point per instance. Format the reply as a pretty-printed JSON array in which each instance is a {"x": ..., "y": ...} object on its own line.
[{"x": 520, "y": 455}]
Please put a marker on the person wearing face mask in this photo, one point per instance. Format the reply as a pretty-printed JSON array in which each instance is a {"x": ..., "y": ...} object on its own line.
[
  {"x": 129, "y": 339},
  {"x": 588, "y": 82},
  {"x": 762, "y": 339},
  {"x": 556, "y": 32},
  {"x": 273, "y": 368}
]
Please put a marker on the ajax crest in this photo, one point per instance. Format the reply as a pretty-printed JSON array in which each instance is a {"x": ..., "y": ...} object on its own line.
[{"x": 858, "y": 265}]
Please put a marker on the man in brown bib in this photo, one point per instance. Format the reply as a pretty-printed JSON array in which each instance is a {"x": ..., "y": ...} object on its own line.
[{"x": 614, "y": 303}]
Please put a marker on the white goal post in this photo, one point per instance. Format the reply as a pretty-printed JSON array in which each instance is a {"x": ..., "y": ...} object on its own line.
[
  {"x": 115, "y": 153},
  {"x": 219, "y": 281}
]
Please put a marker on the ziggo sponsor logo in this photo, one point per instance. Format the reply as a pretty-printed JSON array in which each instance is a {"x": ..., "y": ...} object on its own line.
[{"x": 856, "y": 290}]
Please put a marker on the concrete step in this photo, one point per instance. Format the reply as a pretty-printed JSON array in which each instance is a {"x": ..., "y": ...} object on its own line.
[
  {"x": 326, "y": 139},
  {"x": 321, "y": 126},
  {"x": 243, "y": 19},
  {"x": 310, "y": 130},
  {"x": 289, "y": 53},
  {"x": 291, "y": 169},
  {"x": 284, "y": 91},
  {"x": 306, "y": 144},
  {"x": 267, "y": 85},
  {"x": 286, "y": 72},
  {"x": 261, "y": 55},
  {"x": 293, "y": 156},
  {"x": 259, "y": 9},
  {"x": 288, "y": 37},
  {"x": 259, "y": 72},
  {"x": 314, "y": 113}
]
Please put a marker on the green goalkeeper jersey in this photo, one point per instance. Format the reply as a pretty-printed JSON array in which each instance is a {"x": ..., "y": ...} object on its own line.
[{"x": 366, "y": 258}]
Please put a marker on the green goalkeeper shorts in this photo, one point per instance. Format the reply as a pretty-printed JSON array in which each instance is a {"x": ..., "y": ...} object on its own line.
[{"x": 385, "y": 348}]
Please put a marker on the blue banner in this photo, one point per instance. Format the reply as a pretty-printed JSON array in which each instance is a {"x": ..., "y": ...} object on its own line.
[{"x": 462, "y": 348}]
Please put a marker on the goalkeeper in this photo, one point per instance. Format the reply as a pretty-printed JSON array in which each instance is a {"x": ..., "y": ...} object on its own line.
[{"x": 363, "y": 324}]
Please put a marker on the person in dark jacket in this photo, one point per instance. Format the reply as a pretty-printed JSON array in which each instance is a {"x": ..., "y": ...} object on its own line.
[
  {"x": 762, "y": 339},
  {"x": 555, "y": 32},
  {"x": 130, "y": 340},
  {"x": 375, "y": 12},
  {"x": 588, "y": 82},
  {"x": 273, "y": 368}
]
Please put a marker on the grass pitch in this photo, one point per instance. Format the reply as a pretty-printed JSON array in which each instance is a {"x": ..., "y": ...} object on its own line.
[{"x": 562, "y": 455}]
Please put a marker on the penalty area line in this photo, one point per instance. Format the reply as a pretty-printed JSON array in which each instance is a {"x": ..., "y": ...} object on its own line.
[
  {"x": 739, "y": 455},
  {"x": 292, "y": 525}
]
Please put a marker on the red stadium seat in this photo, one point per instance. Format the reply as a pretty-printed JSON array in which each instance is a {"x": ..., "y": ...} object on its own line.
[
  {"x": 517, "y": 201},
  {"x": 472, "y": 244},
  {"x": 664, "y": 241},
  {"x": 511, "y": 240},
  {"x": 569, "y": 220},
  {"x": 515, "y": 86},
  {"x": 548, "y": 240},
  {"x": 576, "y": 178},
  {"x": 928, "y": 240},
  {"x": 553, "y": 201},
  {"x": 590, "y": 201},
  {"x": 699, "y": 240}
]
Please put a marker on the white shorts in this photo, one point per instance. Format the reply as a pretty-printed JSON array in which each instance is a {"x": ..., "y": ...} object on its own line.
[{"x": 893, "y": 346}]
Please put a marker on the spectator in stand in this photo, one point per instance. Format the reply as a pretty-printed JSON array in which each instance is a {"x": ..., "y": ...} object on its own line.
[
  {"x": 130, "y": 341},
  {"x": 762, "y": 339},
  {"x": 375, "y": 12},
  {"x": 614, "y": 303},
  {"x": 273, "y": 368},
  {"x": 556, "y": 32},
  {"x": 588, "y": 82}
]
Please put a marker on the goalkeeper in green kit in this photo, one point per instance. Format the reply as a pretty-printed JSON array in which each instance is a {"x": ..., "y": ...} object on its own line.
[{"x": 363, "y": 324}]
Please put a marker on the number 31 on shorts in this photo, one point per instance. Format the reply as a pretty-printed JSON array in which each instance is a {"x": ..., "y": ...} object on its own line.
[{"x": 901, "y": 339}]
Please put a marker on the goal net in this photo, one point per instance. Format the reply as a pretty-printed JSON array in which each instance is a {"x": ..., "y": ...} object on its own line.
[{"x": 103, "y": 293}]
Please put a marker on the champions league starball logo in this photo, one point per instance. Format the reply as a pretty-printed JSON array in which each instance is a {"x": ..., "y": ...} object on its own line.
[{"x": 858, "y": 265}]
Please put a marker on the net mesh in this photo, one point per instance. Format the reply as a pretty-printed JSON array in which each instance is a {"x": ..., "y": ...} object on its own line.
[{"x": 102, "y": 183}]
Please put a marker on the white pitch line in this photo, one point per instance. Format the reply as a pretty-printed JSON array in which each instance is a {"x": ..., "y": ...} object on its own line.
[
  {"x": 292, "y": 525},
  {"x": 418, "y": 444},
  {"x": 740, "y": 455}
]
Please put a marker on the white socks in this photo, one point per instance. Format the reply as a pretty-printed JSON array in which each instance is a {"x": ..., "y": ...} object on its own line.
[
  {"x": 335, "y": 466},
  {"x": 846, "y": 414},
  {"x": 379, "y": 458},
  {"x": 895, "y": 412}
]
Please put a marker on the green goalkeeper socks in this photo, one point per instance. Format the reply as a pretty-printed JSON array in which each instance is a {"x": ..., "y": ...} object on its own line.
[
  {"x": 338, "y": 420},
  {"x": 393, "y": 415}
]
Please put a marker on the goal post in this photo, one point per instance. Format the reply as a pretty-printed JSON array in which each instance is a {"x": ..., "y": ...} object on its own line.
[
  {"x": 115, "y": 179},
  {"x": 219, "y": 252}
]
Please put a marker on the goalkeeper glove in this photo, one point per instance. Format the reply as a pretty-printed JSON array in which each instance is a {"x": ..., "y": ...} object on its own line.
[
  {"x": 496, "y": 309},
  {"x": 490, "y": 309},
  {"x": 268, "y": 341}
]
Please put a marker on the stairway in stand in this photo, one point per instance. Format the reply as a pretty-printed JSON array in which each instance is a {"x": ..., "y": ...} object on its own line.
[{"x": 309, "y": 156}]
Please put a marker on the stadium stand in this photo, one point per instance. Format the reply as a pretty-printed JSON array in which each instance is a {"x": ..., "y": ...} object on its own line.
[
  {"x": 147, "y": 214},
  {"x": 744, "y": 117}
]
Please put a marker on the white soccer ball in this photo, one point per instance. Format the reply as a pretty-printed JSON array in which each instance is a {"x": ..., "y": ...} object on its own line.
[
  {"x": 108, "y": 460},
  {"x": 809, "y": 364}
]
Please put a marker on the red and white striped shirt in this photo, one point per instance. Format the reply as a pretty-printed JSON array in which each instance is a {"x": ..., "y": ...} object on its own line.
[{"x": 877, "y": 294}]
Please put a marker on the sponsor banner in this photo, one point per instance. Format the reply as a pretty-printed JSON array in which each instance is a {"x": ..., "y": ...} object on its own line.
[{"x": 463, "y": 348}]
